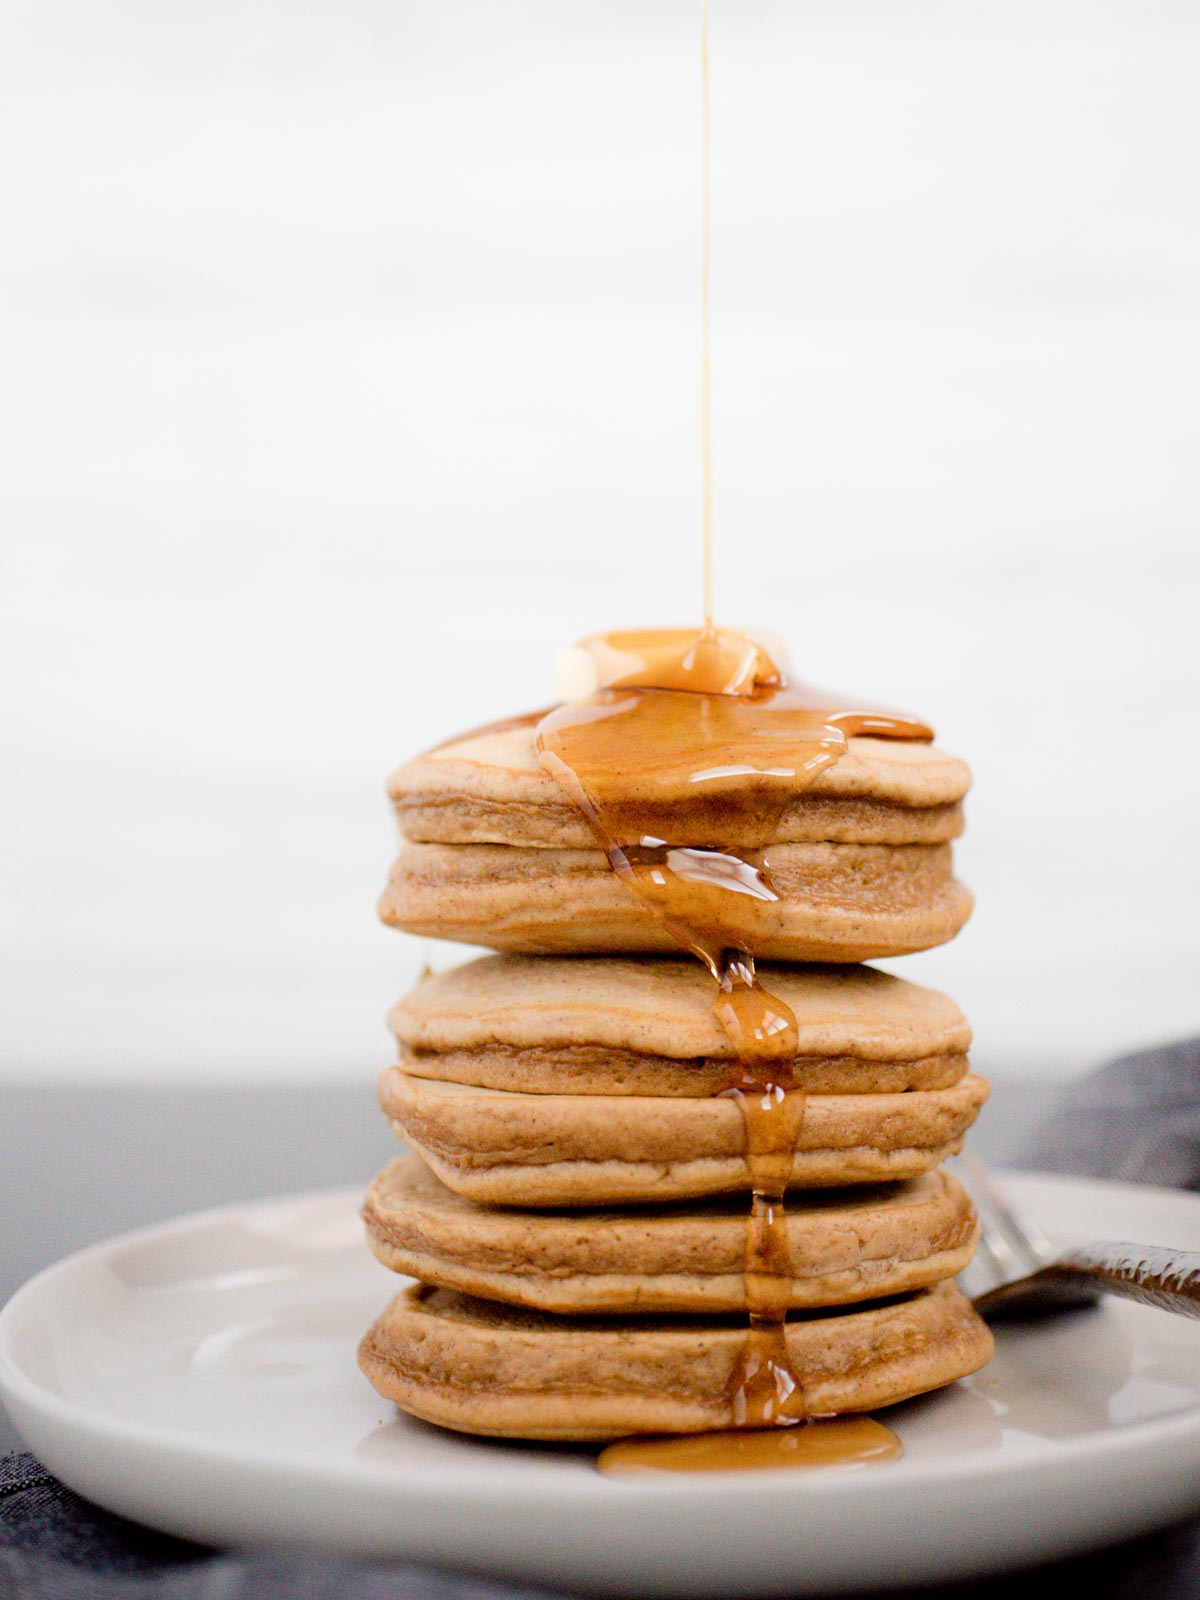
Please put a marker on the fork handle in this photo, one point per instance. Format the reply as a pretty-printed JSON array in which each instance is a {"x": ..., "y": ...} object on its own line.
[{"x": 1155, "y": 1276}]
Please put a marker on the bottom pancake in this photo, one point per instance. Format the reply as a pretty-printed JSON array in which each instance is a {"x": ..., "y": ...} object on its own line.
[
  {"x": 482, "y": 1368},
  {"x": 844, "y": 1246}
]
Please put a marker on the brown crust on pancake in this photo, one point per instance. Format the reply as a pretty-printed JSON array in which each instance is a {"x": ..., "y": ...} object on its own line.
[
  {"x": 452, "y": 817},
  {"x": 844, "y": 1247},
  {"x": 592, "y": 1069},
  {"x": 836, "y": 902},
  {"x": 489, "y": 789},
  {"x": 580, "y": 1150},
  {"x": 611, "y": 1025},
  {"x": 480, "y": 1368}
]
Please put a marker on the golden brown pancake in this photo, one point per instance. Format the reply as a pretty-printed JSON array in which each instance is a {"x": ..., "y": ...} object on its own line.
[
  {"x": 845, "y": 1246},
  {"x": 610, "y": 1025},
  {"x": 482, "y": 1368},
  {"x": 584, "y": 1150},
  {"x": 859, "y": 864},
  {"x": 833, "y": 902},
  {"x": 488, "y": 788}
]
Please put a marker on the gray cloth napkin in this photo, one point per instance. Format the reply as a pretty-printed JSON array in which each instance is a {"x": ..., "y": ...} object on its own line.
[
  {"x": 55, "y": 1546},
  {"x": 1137, "y": 1119}
]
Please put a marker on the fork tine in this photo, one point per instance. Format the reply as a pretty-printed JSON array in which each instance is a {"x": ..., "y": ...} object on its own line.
[
  {"x": 1032, "y": 1249},
  {"x": 997, "y": 1249}
]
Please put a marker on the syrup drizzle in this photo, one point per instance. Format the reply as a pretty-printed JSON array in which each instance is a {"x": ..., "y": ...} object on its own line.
[
  {"x": 767, "y": 1390},
  {"x": 706, "y": 466},
  {"x": 658, "y": 773}
]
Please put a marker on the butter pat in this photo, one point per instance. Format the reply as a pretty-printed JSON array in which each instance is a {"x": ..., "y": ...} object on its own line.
[{"x": 708, "y": 661}]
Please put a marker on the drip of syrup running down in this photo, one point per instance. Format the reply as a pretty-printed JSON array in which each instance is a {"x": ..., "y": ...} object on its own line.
[
  {"x": 653, "y": 759},
  {"x": 767, "y": 1390}
]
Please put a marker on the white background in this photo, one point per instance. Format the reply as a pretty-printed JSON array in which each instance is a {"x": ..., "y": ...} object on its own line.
[{"x": 348, "y": 371}]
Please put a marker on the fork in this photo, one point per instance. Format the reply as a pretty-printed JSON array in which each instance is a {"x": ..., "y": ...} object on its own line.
[{"x": 1017, "y": 1272}]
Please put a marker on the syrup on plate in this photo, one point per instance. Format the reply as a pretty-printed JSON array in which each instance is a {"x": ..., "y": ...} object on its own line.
[{"x": 842, "y": 1443}]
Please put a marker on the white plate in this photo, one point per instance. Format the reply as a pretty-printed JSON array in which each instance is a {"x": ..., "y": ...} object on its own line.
[{"x": 200, "y": 1376}]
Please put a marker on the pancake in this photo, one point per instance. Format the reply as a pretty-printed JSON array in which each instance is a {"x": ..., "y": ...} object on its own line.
[
  {"x": 646, "y": 1027},
  {"x": 843, "y": 1247},
  {"x": 831, "y": 901},
  {"x": 488, "y": 788},
  {"x": 507, "y": 1148},
  {"x": 481, "y": 1368}
]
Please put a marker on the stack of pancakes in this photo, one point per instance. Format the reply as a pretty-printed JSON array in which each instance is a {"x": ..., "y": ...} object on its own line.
[{"x": 575, "y": 1206}]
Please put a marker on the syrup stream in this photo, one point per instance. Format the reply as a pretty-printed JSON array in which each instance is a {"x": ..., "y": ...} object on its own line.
[{"x": 706, "y": 467}]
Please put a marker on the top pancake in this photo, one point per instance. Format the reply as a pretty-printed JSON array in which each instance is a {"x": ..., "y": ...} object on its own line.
[{"x": 488, "y": 788}]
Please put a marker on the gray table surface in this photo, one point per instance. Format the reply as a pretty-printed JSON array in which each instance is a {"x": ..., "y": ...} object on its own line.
[{"x": 81, "y": 1164}]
